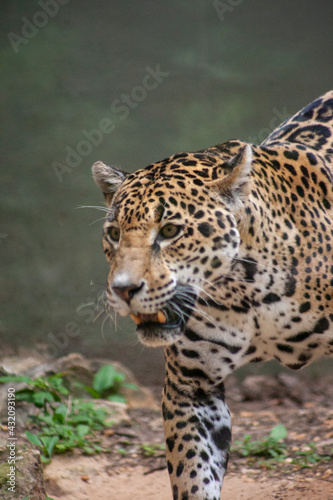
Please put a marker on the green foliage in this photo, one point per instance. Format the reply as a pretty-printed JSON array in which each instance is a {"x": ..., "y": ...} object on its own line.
[
  {"x": 122, "y": 451},
  {"x": 66, "y": 427},
  {"x": 39, "y": 391},
  {"x": 62, "y": 422},
  {"x": 270, "y": 447},
  {"x": 107, "y": 383},
  {"x": 152, "y": 449},
  {"x": 309, "y": 457}
]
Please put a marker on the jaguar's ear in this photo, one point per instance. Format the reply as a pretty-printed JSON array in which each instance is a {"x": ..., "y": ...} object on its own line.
[
  {"x": 236, "y": 185},
  {"x": 109, "y": 179}
]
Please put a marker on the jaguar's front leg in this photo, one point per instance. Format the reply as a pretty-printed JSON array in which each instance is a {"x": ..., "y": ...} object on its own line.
[{"x": 197, "y": 429}]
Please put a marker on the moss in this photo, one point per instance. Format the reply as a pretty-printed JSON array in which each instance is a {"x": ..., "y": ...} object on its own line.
[
  {"x": 28, "y": 476},
  {"x": 4, "y": 470}
]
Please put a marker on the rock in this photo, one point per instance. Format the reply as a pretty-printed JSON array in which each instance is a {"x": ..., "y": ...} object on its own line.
[
  {"x": 77, "y": 368},
  {"x": 18, "y": 364},
  {"x": 259, "y": 387},
  {"x": 27, "y": 477},
  {"x": 28, "y": 468},
  {"x": 282, "y": 387},
  {"x": 115, "y": 412}
]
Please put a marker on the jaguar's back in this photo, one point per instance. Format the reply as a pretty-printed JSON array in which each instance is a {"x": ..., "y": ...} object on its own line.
[{"x": 312, "y": 127}]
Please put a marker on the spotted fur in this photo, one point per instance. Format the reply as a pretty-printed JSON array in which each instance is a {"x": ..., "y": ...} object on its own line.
[{"x": 224, "y": 257}]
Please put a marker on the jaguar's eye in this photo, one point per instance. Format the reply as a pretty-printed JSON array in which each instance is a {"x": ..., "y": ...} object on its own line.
[
  {"x": 169, "y": 231},
  {"x": 114, "y": 233}
]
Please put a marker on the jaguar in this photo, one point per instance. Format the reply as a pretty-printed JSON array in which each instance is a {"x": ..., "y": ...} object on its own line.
[{"x": 224, "y": 257}]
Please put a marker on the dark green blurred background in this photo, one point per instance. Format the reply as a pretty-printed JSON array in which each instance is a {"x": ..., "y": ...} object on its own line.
[{"x": 232, "y": 69}]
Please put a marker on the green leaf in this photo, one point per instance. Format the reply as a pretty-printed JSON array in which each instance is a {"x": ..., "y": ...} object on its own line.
[
  {"x": 45, "y": 460},
  {"x": 278, "y": 433},
  {"x": 59, "y": 414},
  {"x": 49, "y": 443},
  {"x": 39, "y": 382},
  {"x": 93, "y": 393},
  {"x": 41, "y": 397},
  {"x": 129, "y": 385},
  {"x": 25, "y": 395},
  {"x": 106, "y": 378},
  {"x": 118, "y": 398},
  {"x": 57, "y": 383},
  {"x": 61, "y": 447},
  {"x": 15, "y": 378},
  {"x": 33, "y": 439},
  {"x": 89, "y": 450},
  {"x": 82, "y": 430}
]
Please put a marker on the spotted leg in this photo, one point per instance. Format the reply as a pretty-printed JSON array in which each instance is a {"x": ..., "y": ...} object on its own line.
[{"x": 197, "y": 429}]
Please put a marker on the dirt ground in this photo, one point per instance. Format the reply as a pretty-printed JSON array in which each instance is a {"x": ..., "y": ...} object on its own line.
[{"x": 133, "y": 471}]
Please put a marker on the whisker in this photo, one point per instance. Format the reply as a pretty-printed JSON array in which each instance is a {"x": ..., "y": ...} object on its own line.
[
  {"x": 96, "y": 207},
  {"x": 202, "y": 291},
  {"x": 103, "y": 323},
  {"x": 197, "y": 309},
  {"x": 185, "y": 301},
  {"x": 97, "y": 220},
  {"x": 173, "y": 306}
]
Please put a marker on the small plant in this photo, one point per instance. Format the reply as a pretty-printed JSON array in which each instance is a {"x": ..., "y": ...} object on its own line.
[
  {"x": 107, "y": 383},
  {"x": 270, "y": 447},
  {"x": 66, "y": 427},
  {"x": 61, "y": 422},
  {"x": 152, "y": 450},
  {"x": 122, "y": 451},
  {"x": 40, "y": 391},
  {"x": 309, "y": 457}
]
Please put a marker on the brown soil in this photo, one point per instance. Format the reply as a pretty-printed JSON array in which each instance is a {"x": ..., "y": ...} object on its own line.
[{"x": 303, "y": 406}]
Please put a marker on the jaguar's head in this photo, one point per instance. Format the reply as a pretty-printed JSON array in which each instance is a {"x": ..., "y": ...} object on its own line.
[{"x": 171, "y": 236}]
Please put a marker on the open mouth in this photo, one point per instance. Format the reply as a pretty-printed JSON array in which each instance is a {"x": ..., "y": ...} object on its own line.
[
  {"x": 164, "y": 319},
  {"x": 166, "y": 325}
]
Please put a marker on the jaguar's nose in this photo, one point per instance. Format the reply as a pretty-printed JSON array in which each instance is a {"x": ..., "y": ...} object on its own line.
[{"x": 126, "y": 293}]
